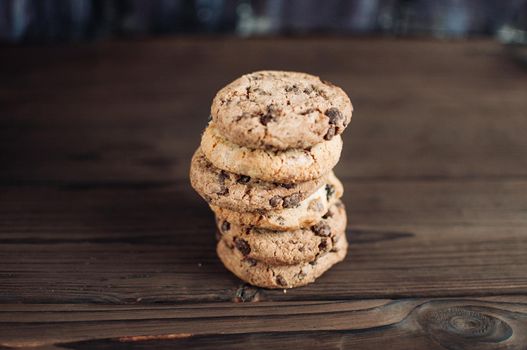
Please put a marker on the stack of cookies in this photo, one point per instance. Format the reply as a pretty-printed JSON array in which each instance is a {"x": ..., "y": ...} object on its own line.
[{"x": 265, "y": 168}]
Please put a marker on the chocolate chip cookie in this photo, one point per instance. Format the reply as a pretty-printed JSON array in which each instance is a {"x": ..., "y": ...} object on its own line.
[
  {"x": 286, "y": 247},
  {"x": 279, "y": 276},
  {"x": 243, "y": 193},
  {"x": 308, "y": 212},
  {"x": 289, "y": 166},
  {"x": 280, "y": 110}
]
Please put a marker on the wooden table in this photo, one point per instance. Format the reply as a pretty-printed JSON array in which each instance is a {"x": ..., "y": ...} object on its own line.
[{"x": 105, "y": 245}]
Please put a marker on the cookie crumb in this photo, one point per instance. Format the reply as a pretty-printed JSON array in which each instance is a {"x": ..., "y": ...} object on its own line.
[{"x": 246, "y": 293}]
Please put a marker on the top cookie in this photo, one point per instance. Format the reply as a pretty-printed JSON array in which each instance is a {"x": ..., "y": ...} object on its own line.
[{"x": 280, "y": 110}]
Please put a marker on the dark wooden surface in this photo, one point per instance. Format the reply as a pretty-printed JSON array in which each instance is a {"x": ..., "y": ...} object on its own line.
[{"x": 103, "y": 244}]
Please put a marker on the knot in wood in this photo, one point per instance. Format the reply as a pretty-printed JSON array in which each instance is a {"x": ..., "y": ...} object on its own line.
[{"x": 453, "y": 326}]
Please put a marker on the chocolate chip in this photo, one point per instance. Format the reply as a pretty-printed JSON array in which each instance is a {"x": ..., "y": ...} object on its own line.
[
  {"x": 243, "y": 179},
  {"x": 287, "y": 186},
  {"x": 293, "y": 88},
  {"x": 225, "y": 226},
  {"x": 330, "y": 191},
  {"x": 242, "y": 245},
  {"x": 251, "y": 261},
  {"x": 323, "y": 245},
  {"x": 281, "y": 281},
  {"x": 275, "y": 201},
  {"x": 270, "y": 115},
  {"x": 292, "y": 200},
  {"x": 265, "y": 119},
  {"x": 331, "y": 133},
  {"x": 222, "y": 176},
  {"x": 321, "y": 229},
  {"x": 301, "y": 276},
  {"x": 334, "y": 115}
]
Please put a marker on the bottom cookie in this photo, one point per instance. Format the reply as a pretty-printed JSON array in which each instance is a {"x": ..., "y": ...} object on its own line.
[{"x": 282, "y": 276}]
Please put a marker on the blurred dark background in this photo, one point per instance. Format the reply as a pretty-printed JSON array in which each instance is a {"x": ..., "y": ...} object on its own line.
[{"x": 49, "y": 21}]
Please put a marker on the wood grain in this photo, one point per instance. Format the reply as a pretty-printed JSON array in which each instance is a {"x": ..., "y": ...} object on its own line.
[
  {"x": 133, "y": 112},
  {"x": 103, "y": 244},
  {"x": 432, "y": 324},
  {"x": 130, "y": 245}
]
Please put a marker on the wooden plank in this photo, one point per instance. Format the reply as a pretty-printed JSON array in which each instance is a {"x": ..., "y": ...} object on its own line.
[
  {"x": 98, "y": 224},
  {"x": 408, "y": 239},
  {"x": 420, "y": 323},
  {"x": 110, "y": 113}
]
